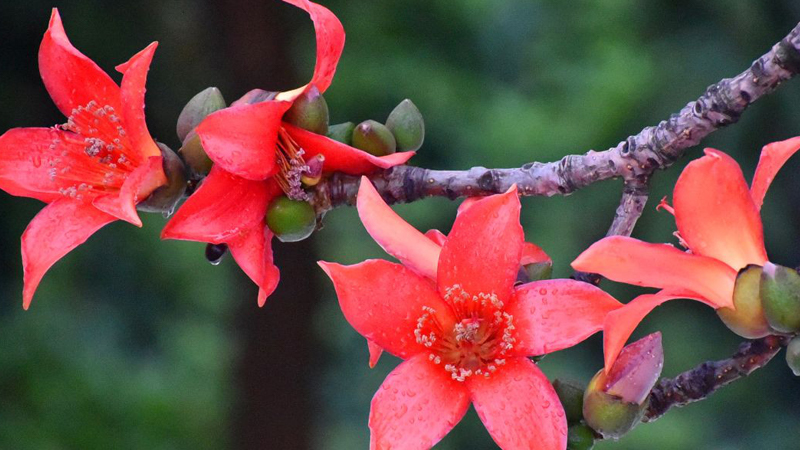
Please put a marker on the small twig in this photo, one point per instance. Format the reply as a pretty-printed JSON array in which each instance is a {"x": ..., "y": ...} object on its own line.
[{"x": 700, "y": 382}]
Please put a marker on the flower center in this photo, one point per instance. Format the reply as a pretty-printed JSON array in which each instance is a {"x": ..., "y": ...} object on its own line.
[
  {"x": 478, "y": 341},
  {"x": 291, "y": 166}
]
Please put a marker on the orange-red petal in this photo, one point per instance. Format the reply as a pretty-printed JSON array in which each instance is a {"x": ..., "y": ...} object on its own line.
[
  {"x": 134, "y": 78},
  {"x": 375, "y": 352},
  {"x": 70, "y": 77},
  {"x": 532, "y": 254},
  {"x": 773, "y": 157},
  {"x": 252, "y": 250},
  {"x": 715, "y": 213},
  {"x": 620, "y": 323},
  {"x": 243, "y": 139},
  {"x": 416, "y": 406},
  {"x": 436, "y": 236},
  {"x": 395, "y": 235},
  {"x": 341, "y": 157},
  {"x": 222, "y": 207},
  {"x": 55, "y": 231},
  {"x": 383, "y": 300},
  {"x": 519, "y": 407},
  {"x": 551, "y": 315},
  {"x": 330, "y": 41},
  {"x": 137, "y": 186},
  {"x": 631, "y": 261},
  {"x": 483, "y": 249}
]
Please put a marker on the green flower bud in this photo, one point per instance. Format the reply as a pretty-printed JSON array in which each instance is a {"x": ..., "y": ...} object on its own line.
[
  {"x": 571, "y": 397},
  {"x": 195, "y": 155},
  {"x": 165, "y": 198},
  {"x": 374, "y": 138},
  {"x": 580, "y": 437},
  {"x": 780, "y": 295},
  {"x": 200, "y": 106},
  {"x": 608, "y": 414},
  {"x": 291, "y": 220},
  {"x": 215, "y": 253},
  {"x": 342, "y": 132},
  {"x": 793, "y": 355},
  {"x": 309, "y": 112},
  {"x": 406, "y": 124},
  {"x": 748, "y": 319},
  {"x": 539, "y": 271}
]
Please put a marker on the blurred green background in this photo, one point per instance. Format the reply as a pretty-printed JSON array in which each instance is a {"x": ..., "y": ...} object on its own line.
[{"x": 136, "y": 343}]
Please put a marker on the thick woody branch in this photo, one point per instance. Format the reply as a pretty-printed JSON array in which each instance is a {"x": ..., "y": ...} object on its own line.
[
  {"x": 634, "y": 159},
  {"x": 703, "y": 380}
]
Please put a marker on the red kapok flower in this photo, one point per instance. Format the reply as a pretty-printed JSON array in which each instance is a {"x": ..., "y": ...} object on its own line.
[
  {"x": 91, "y": 171},
  {"x": 257, "y": 156},
  {"x": 466, "y": 332},
  {"x": 718, "y": 222}
]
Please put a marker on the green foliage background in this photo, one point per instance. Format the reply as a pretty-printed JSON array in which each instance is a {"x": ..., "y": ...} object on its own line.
[{"x": 133, "y": 343}]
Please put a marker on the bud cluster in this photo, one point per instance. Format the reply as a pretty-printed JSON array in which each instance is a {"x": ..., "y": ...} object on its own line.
[{"x": 404, "y": 130}]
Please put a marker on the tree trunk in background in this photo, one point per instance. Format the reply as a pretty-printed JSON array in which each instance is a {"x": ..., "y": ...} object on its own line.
[{"x": 272, "y": 403}]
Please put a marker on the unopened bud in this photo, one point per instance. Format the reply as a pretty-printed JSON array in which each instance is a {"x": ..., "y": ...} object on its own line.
[
  {"x": 374, "y": 138},
  {"x": 406, "y": 124},
  {"x": 780, "y": 295},
  {"x": 571, "y": 397},
  {"x": 165, "y": 198},
  {"x": 291, "y": 220},
  {"x": 342, "y": 132},
  {"x": 580, "y": 437},
  {"x": 200, "y": 106},
  {"x": 215, "y": 253},
  {"x": 309, "y": 112},
  {"x": 793, "y": 355},
  {"x": 195, "y": 155},
  {"x": 314, "y": 173},
  {"x": 748, "y": 319},
  {"x": 539, "y": 271},
  {"x": 614, "y": 402}
]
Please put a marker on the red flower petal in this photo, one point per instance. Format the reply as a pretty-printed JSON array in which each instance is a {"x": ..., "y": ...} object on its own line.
[
  {"x": 483, "y": 249},
  {"x": 416, "y": 406},
  {"x": 375, "y": 352},
  {"x": 383, "y": 300},
  {"x": 773, "y": 157},
  {"x": 715, "y": 213},
  {"x": 252, "y": 250},
  {"x": 631, "y": 261},
  {"x": 551, "y": 315},
  {"x": 25, "y": 157},
  {"x": 243, "y": 139},
  {"x": 436, "y": 236},
  {"x": 394, "y": 234},
  {"x": 57, "y": 229},
  {"x": 340, "y": 157},
  {"x": 138, "y": 185},
  {"x": 619, "y": 324},
  {"x": 330, "y": 41},
  {"x": 134, "y": 77},
  {"x": 223, "y": 206},
  {"x": 70, "y": 77},
  {"x": 519, "y": 407},
  {"x": 532, "y": 254}
]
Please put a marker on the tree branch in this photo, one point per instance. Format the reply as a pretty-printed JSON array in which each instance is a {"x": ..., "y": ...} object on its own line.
[
  {"x": 700, "y": 382},
  {"x": 635, "y": 158}
]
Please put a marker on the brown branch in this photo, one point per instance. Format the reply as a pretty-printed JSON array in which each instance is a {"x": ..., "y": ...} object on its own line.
[
  {"x": 700, "y": 382},
  {"x": 635, "y": 158}
]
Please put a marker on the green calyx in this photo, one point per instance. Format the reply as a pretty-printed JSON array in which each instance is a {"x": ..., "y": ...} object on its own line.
[
  {"x": 780, "y": 296},
  {"x": 580, "y": 437},
  {"x": 342, "y": 132},
  {"x": 165, "y": 198},
  {"x": 374, "y": 138},
  {"x": 291, "y": 220},
  {"x": 608, "y": 414},
  {"x": 309, "y": 112},
  {"x": 201, "y": 105},
  {"x": 793, "y": 355},
  {"x": 748, "y": 319},
  {"x": 194, "y": 155},
  {"x": 539, "y": 271},
  {"x": 571, "y": 397},
  {"x": 407, "y": 125}
]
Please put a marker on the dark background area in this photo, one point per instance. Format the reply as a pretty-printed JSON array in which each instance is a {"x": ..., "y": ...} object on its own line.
[{"x": 136, "y": 343}]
